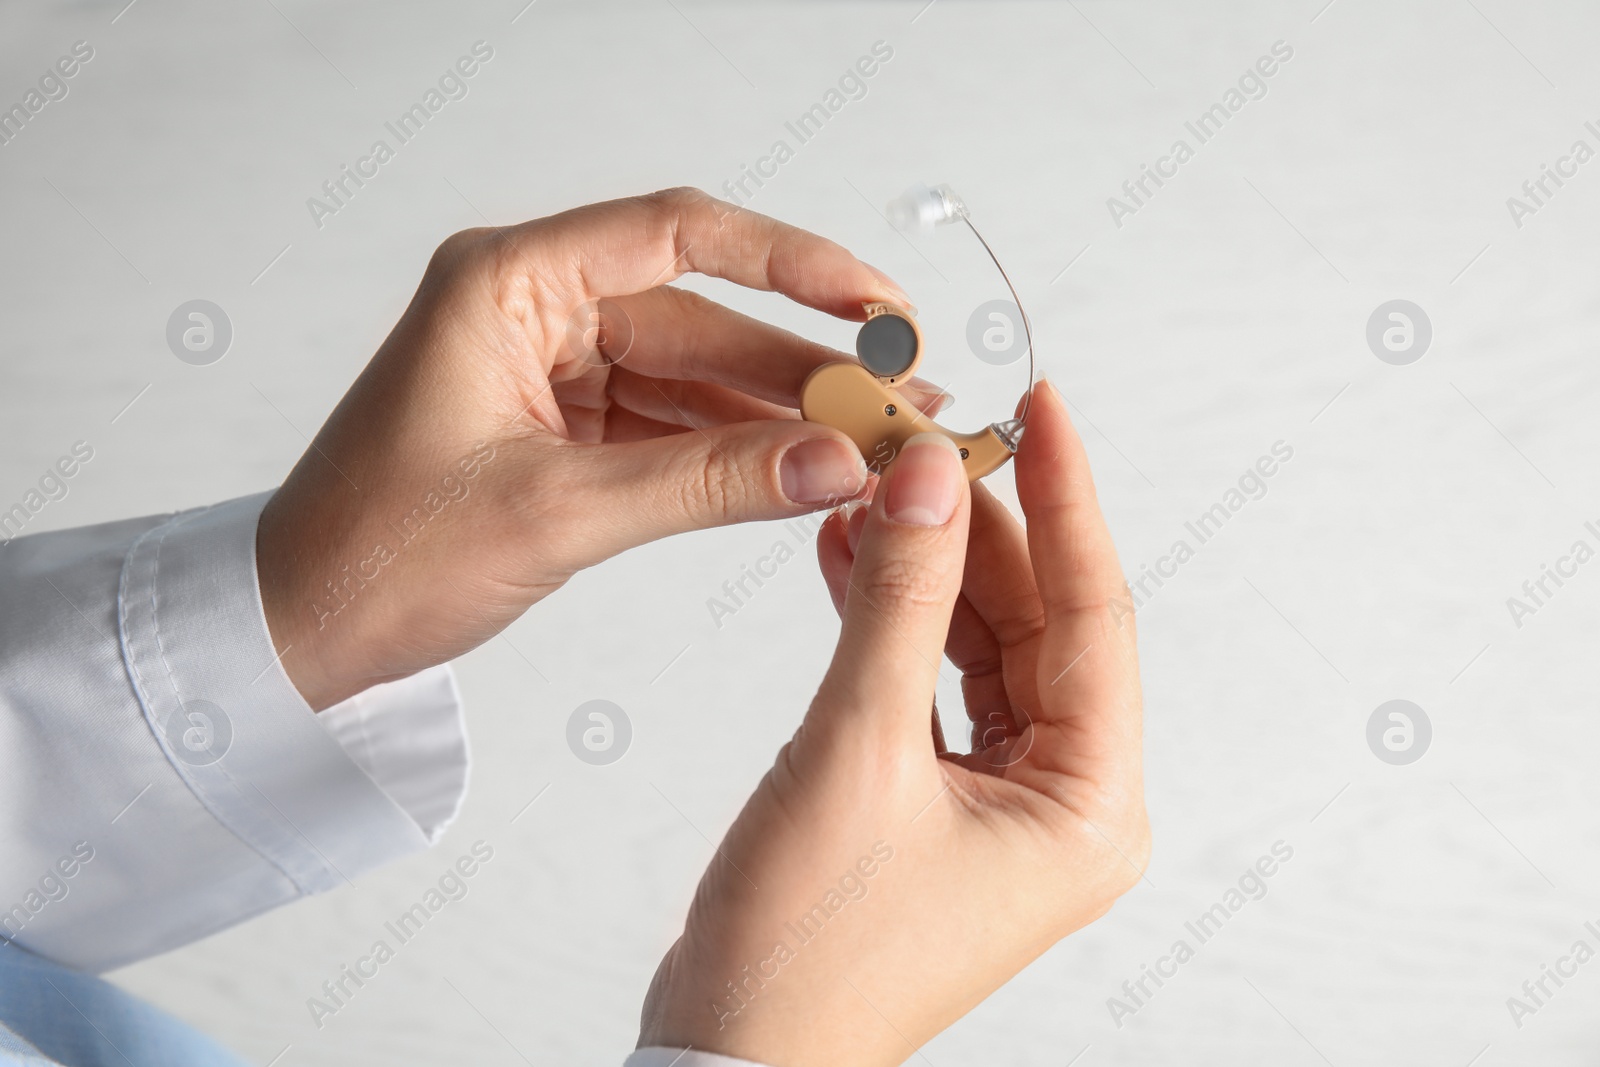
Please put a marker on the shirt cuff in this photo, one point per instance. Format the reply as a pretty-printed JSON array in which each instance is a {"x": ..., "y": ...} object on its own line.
[
  {"x": 410, "y": 739},
  {"x": 233, "y": 726},
  {"x": 674, "y": 1057}
]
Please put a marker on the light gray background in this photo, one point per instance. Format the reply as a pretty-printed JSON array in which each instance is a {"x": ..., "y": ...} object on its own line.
[{"x": 1226, "y": 315}]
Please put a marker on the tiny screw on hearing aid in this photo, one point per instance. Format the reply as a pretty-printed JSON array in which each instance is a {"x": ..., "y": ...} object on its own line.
[{"x": 859, "y": 398}]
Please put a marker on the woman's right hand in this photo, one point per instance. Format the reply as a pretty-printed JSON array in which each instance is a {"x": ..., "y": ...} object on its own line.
[
  {"x": 875, "y": 889},
  {"x": 395, "y": 545}
]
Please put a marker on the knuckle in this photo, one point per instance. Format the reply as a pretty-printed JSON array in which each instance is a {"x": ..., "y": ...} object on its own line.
[
  {"x": 680, "y": 201},
  {"x": 689, "y": 314},
  {"x": 459, "y": 249},
  {"x": 688, "y": 306},
  {"x": 1023, "y": 618},
  {"x": 471, "y": 260},
  {"x": 681, "y": 197},
  {"x": 904, "y": 582},
  {"x": 712, "y": 486},
  {"x": 512, "y": 273}
]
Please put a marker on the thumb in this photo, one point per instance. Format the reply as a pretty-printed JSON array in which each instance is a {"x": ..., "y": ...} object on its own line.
[
  {"x": 630, "y": 493},
  {"x": 902, "y": 588}
]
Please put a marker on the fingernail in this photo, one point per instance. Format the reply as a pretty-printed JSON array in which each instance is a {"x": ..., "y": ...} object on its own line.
[
  {"x": 854, "y": 524},
  {"x": 823, "y": 470},
  {"x": 893, "y": 287},
  {"x": 941, "y": 400},
  {"x": 925, "y": 483}
]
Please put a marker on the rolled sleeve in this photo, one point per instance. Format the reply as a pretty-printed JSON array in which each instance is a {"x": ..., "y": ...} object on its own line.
[
  {"x": 153, "y": 727},
  {"x": 409, "y": 737}
]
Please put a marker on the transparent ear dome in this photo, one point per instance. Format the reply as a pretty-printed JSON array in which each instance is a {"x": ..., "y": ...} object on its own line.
[{"x": 922, "y": 208}]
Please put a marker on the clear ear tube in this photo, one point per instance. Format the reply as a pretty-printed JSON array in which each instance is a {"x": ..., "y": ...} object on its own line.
[
  {"x": 860, "y": 398},
  {"x": 923, "y": 208}
]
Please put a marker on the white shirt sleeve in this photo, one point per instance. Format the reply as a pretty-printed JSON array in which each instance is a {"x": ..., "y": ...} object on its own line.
[
  {"x": 160, "y": 776},
  {"x": 671, "y": 1057}
]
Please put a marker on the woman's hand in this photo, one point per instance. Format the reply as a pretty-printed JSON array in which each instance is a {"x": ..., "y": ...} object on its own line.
[
  {"x": 872, "y": 892},
  {"x": 547, "y": 402}
]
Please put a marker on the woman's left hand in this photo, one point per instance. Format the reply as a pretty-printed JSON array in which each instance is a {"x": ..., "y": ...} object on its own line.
[{"x": 876, "y": 888}]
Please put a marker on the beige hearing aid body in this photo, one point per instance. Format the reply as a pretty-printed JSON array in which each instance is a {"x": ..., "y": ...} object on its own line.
[{"x": 860, "y": 399}]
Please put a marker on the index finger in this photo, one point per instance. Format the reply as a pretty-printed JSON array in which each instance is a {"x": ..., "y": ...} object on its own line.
[
  {"x": 621, "y": 247},
  {"x": 1074, "y": 560},
  {"x": 1088, "y": 664}
]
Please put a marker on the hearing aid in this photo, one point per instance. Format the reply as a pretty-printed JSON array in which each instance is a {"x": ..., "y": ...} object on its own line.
[{"x": 861, "y": 399}]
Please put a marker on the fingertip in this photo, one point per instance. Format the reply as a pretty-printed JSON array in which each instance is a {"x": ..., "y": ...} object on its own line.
[
  {"x": 832, "y": 526},
  {"x": 927, "y": 397},
  {"x": 855, "y": 522},
  {"x": 825, "y": 469},
  {"x": 1047, "y": 404},
  {"x": 834, "y": 555},
  {"x": 926, "y": 482},
  {"x": 1074, "y": 557},
  {"x": 1058, "y": 404},
  {"x": 1051, "y": 449},
  {"x": 891, "y": 290}
]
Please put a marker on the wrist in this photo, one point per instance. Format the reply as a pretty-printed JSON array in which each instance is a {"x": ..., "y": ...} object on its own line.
[
  {"x": 769, "y": 1026},
  {"x": 297, "y": 618}
]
